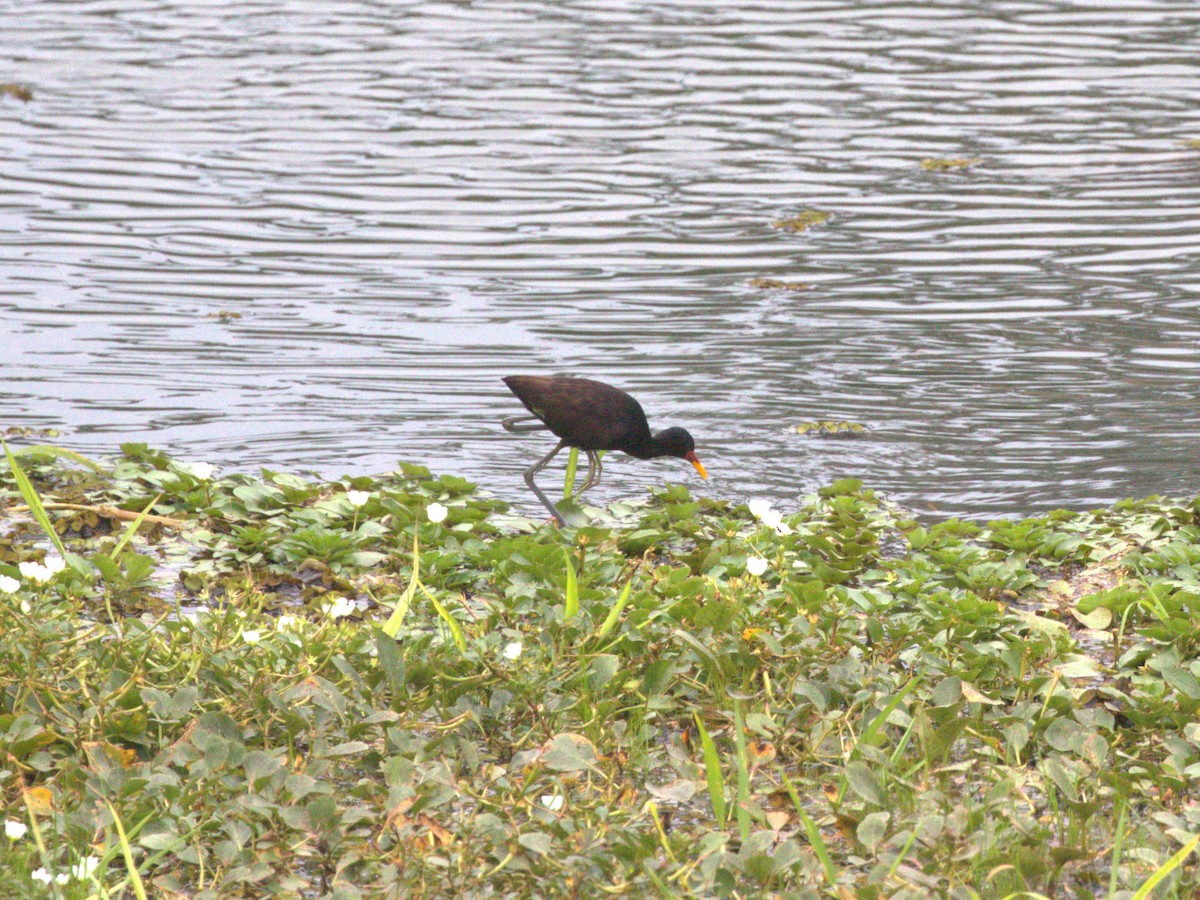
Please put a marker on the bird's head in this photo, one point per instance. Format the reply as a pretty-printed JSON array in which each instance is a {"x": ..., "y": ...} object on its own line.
[{"x": 677, "y": 442}]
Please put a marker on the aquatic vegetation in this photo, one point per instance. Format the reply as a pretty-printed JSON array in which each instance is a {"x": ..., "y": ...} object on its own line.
[
  {"x": 222, "y": 685},
  {"x": 775, "y": 284},
  {"x": 16, "y": 91},
  {"x": 831, "y": 429},
  {"x": 802, "y": 221},
  {"x": 950, "y": 164}
]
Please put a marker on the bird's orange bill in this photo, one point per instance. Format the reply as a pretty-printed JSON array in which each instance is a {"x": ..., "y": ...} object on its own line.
[{"x": 691, "y": 457}]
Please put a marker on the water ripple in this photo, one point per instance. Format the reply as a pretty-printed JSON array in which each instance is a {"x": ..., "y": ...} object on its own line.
[{"x": 404, "y": 204}]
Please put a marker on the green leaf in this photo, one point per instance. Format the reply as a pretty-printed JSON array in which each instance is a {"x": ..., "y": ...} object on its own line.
[
  {"x": 1183, "y": 681},
  {"x": 322, "y": 814},
  {"x": 391, "y": 660},
  {"x": 603, "y": 670},
  {"x": 1064, "y": 777},
  {"x": 1079, "y": 666},
  {"x": 569, "y": 753},
  {"x": 108, "y": 567},
  {"x": 872, "y": 829},
  {"x": 537, "y": 841},
  {"x": 864, "y": 783}
]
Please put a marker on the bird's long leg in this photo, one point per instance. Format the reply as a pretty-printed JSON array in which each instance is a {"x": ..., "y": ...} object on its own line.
[
  {"x": 533, "y": 470},
  {"x": 593, "y": 473},
  {"x": 520, "y": 424}
]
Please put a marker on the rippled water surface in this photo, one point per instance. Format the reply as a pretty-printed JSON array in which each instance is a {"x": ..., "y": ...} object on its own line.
[{"x": 405, "y": 202}]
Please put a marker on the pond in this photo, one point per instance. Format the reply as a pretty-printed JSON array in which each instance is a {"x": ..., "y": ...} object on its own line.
[{"x": 314, "y": 235}]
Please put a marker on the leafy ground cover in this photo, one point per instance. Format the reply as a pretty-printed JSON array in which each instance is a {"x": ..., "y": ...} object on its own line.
[{"x": 264, "y": 685}]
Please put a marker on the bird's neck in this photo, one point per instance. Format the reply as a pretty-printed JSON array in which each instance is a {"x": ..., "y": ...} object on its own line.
[{"x": 649, "y": 447}]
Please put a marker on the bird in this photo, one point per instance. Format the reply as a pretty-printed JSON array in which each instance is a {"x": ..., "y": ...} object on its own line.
[{"x": 591, "y": 416}]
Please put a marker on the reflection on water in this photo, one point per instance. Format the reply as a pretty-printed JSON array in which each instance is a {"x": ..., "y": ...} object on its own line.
[{"x": 404, "y": 204}]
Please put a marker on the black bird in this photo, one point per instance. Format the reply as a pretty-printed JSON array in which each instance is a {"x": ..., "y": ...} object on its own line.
[{"x": 592, "y": 416}]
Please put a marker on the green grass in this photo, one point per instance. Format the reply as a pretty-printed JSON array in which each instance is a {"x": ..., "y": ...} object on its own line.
[{"x": 893, "y": 708}]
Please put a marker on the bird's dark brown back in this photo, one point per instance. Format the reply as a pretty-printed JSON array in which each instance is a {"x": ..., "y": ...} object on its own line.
[{"x": 587, "y": 414}]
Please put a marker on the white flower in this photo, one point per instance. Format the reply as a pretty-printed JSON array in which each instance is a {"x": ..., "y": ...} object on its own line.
[
  {"x": 201, "y": 470},
  {"x": 14, "y": 829},
  {"x": 84, "y": 868},
  {"x": 39, "y": 572},
  {"x": 436, "y": 512},
  {"x": 32, "y": 571},
  {"x": 250, "y": 636},
  {"x": 553, "y": 802},
  {"x": 761, "y": 510},
  {"x": 286, "y": 622},
  {"x": 42, "y": 875},
  {"x": 339, "y": 608},
  {"x": 764, "y": 513},
  {"x": 358, "y": 499},
  {"x": 8, "y": 585},
  {"x": 513, "y": 649},
  {"x": 756, "y": 565}
]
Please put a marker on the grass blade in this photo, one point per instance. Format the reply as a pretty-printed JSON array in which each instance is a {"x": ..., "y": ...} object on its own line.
[
  {"x": 1166, "y": 869},
  {"x": 742, "y": 809},
  {"x": 814, "y": 834},
  {"x": 131, "y": 529},
  {"x": 572, "y": 467},
  {"x": 712, "y": 769},
  {"x": 33, "y": 500},
  {"x": 663, "y": 840},
  {"x": 706, "y": 656},
  {"x": 392, "y": 626},
  {"x": 614, "y": 614},
  {"x": 451, "y": 623},
  {"x": 870, "y": 736},
  {"x": 1118, "y": 842},
  {"x": 135, "y": 877},
  {"x": 571, "y": 608}
]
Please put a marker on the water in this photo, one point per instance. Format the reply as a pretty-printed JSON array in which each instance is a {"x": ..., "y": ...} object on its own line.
[{"x": 405, "y": 203}]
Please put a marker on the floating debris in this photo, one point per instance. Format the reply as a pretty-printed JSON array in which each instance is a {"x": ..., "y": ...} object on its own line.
[
  {"x": 774, "y": 284},
  {"x": 803, "y": 221},
  {"x": 25, "y": 431},
  {"x": 934, "y": 164},
  {"x": 16, "y": 91},
  {"x": 831, "y": 429}
]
